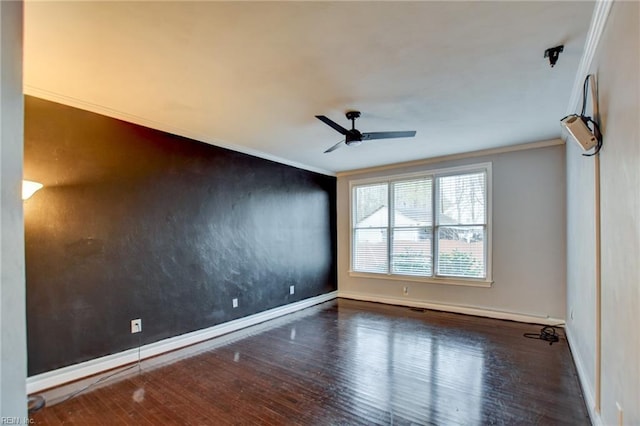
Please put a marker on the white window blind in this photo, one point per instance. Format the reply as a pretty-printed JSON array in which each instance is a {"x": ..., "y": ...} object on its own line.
[
  {"x": 411, "y": 228},
  {"x": 371, "y": 228},
  {"x": 461, "y": 225},
  {"x": 429, "y": 225}
]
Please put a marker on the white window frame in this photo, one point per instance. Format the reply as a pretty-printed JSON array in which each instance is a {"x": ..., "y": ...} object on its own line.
[{"x": 434, "y": 174}]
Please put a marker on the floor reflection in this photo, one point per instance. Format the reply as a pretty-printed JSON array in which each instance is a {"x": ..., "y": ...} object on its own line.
[{"x": 409, "y": 370}]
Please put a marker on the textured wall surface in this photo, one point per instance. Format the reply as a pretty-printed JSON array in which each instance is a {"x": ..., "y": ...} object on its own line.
[{"x": 137, "y": 223}]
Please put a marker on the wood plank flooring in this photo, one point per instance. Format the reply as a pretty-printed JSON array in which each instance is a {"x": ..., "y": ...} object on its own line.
[{"x": 348, "y": 363}]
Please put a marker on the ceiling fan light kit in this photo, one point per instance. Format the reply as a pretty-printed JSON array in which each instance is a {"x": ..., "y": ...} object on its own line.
[{"x": 354, "y": 137}]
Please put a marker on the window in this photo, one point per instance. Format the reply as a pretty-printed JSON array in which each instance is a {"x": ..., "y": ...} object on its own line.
[{"x": 432, "y": 225}]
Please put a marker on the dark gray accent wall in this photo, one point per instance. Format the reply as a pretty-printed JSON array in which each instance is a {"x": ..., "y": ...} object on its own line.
[{"x": 137, "y": 223}]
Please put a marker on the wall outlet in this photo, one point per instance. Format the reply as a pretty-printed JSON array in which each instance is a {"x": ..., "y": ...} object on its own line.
[
  {"x": 292, "y": 289},
  {"x": 234, "y": 302},
  {"x": 136, "y": 325},
  {"x": 405, "y": 290}
]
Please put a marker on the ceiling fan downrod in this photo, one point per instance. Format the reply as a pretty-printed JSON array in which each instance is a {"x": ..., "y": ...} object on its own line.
[
  {"x": 354, "y": 137},
  {"x": 352, "y": 115}
]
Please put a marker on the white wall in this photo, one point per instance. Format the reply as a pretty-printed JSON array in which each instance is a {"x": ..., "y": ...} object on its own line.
[
  {"x": 13, "y": 347},
  {"x": 617, "y": 67},
  {"x": 528, "y": 240},
  {"x": 581, "y": 269}
]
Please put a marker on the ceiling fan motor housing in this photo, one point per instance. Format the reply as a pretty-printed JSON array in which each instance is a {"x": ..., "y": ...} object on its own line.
[{"x": 352, "y": 115}]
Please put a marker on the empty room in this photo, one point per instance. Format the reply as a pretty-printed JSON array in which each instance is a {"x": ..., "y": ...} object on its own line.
[{"x": 319, "y": 213}]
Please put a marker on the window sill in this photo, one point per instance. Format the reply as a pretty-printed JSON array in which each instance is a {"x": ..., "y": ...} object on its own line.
[{"x": 468, "y": 282}]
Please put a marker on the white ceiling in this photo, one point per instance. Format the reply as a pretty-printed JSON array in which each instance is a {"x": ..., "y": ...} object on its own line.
[{"x": 252, "y": 75}]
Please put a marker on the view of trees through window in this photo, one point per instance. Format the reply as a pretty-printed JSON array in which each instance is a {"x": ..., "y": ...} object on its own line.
[
  {"x": 395, "y": 230},
  {"x": 462, "y": 227}
]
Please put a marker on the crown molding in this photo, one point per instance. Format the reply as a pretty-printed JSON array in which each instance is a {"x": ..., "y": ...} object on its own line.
[
  {"x": 141, "y": 121},
  {"x": 472, "y": 154},
  {"x": 596, "y": 29}
]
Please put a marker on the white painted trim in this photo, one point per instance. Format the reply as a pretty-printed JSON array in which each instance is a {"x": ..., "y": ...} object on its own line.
[
  {"x": 587, "y": 389},
  {"x": 443, "y": 171},
  {"x": 141, "y": 121},
  {"x": 467, "y": 310},
  {"x": 71, "y": 373},
  {"x": 433, "y": 174},
  {"x": 427, "y": 280},
  {"x": 488, "y": 248},
  {"x": 598, "y": 276},
  {"x": 472, "y": 154},
  {"x": 596, "y": 29}
]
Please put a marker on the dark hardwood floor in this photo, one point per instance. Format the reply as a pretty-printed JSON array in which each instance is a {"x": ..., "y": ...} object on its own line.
[{"x": 349, "y": 363}]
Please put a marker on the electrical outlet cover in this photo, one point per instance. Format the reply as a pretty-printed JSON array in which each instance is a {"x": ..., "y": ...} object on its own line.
[{"x": 136, "y": 325}]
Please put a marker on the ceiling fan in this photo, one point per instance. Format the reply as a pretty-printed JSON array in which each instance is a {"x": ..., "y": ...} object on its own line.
[{"x": 354, "y": 137}]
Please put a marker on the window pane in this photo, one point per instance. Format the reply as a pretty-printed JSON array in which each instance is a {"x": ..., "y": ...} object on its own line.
[
  {"x": 412, "y": 203},
  {"x": 461, "y": 251},
  {"x": 411, "y": 251},
  {"x": 370, "y": 250},
  {"x": 371, "y": 206},
  {"x": 462, "y": 199}
]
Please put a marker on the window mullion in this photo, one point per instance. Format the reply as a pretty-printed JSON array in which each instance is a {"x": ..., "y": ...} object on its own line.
[
  {"x": 353, "y": 225},
  {"x": 435, "y": 225},
  {"x": 391, "y": 204}
]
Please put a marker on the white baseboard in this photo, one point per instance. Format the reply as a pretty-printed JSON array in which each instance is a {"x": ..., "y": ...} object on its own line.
[
  {"x": 467, "y": 310},
  {"x": 585, "y": 384},
  {"x": 75, "y": 372}
]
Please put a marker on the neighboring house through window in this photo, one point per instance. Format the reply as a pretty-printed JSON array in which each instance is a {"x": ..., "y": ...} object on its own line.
[{"x": 433, "y": 225}]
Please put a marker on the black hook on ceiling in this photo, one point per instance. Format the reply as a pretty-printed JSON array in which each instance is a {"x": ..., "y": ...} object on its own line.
[{"x": 553, "y": 53}]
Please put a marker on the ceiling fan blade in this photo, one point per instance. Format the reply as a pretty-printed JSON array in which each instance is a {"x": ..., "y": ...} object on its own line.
[
  {"x": 333, "y": 148},
  {"x": 388, "y": 135},
  {"x": 332, "y": 123}
]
